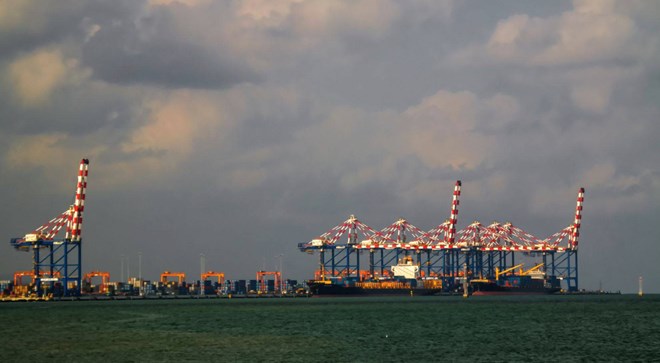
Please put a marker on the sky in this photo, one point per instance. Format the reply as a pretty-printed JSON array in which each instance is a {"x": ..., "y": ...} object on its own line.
[{"x": 238, "y": 129}]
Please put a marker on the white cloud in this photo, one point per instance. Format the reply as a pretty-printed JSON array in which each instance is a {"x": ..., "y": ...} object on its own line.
[
  {"x": 35, "y": 76},
  {"x": 499, "y": 111},
  {"x": 90, "y": 31},
  {"x": 453, "y": 129},
  {"x": 592, "y": 31},
  {"x": 247, "y": 178},
  {"x": 55, "y": 154},
  {"x": 326, "y": 18},
  {"x": 273, "y": 34},
  {"x": 591, "y": 87},
  {"x": 313, "y": 20},
  {"x": 24, "y": 15},
  {"x": 174, "y": 124},
  {"x": 447, "y": 130},
  {"x": 266, "y": 10},
  {"x": 179, "y": 2}
]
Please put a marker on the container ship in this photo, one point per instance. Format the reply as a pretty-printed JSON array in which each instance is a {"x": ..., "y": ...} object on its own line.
[
  {"x": 406, "y": 280},
  {"x": 530, "y": 282}
]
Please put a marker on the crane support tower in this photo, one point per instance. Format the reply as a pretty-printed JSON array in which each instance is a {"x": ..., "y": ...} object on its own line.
[
  {"x": 57, "y": 263},
  {"x": 476, "y": 252}
]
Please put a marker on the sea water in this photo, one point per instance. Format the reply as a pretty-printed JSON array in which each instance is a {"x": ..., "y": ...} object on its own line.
[{"x": 377, "y": 329}]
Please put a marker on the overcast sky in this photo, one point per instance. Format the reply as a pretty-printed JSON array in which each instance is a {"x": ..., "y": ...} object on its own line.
[{"x": 237, "y": 129}]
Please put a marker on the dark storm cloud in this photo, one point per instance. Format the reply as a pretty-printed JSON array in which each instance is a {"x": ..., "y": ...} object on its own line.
[
  {"x": 146, "y": 48},
  {"x": 38, "y": 23}
]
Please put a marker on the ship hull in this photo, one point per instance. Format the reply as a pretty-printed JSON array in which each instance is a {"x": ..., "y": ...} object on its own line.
[
  {"x": 510, "y": 292},
  {"x": 482, "y": 288},
  {"x": 342, "y": 290}
]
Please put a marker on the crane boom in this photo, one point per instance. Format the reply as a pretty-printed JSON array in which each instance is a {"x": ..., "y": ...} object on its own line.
[
  {"x": 524, "y": 273},
  {"x": 498, "y": 272}
]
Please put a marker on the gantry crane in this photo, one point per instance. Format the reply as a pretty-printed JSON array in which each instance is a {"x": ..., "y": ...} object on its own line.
[
  {"x": 219, "y": 275},
  {"x": 262, "y": 284},
  {"x": 18, "y": 276},
  {"x": 105, "y": 279},
  {"x": 208, "y": 274},
  {"x": 443, "y": 252},
  {"x": 52, "y": 256},
  {"x": 179, "y": 275}
]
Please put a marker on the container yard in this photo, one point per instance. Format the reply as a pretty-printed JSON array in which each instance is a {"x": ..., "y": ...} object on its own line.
[
  {"x": 57, "y": 269},
  {"x": 353, "y": 259}
]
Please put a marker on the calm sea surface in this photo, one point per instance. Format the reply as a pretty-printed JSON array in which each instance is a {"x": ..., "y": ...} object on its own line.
[{"x": 417, "y": 329}]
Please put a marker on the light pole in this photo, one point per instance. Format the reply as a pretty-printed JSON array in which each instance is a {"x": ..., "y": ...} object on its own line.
[
  {"x": 122, "y": 269},
  {"x": 140, "y": 271},
  {"x": 282, "y": 284},
  {"x": 202, "y": 267}
]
